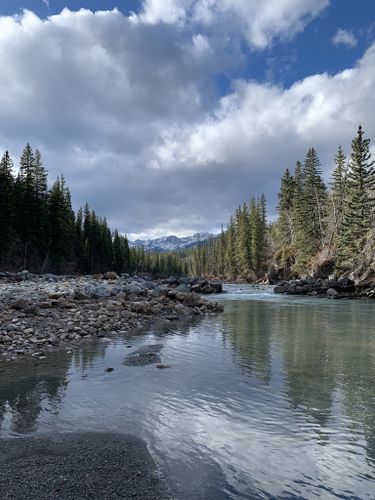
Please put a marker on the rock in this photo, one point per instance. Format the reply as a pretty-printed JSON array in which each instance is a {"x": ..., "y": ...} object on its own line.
[
  {"x": 160, "y": 291},
  {"x": 133, "y": 289},
  {"x": 19, "y": 304},
  {"x": 172, "y": 280},
  {"x": 216, "y": 286},
  {"x": 280, "y": 288},
  {"x": 141, "y": 308},
  {"x": 192, "y": 300},
  {"x": 184, "y": 288},
  {"x": 323, "y": 269},
  {"x": 110, "y": 275},
  {"x": 53, "y": 310},
  {"x": 345, "y": 282},
  {"x": 162, "y": 366},
  {"x": 332, "y": 293}
]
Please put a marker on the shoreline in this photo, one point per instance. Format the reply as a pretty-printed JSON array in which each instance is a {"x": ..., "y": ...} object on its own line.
[
  {"x": 79, "y": 465},
  {"x": 40, "y": 313}
]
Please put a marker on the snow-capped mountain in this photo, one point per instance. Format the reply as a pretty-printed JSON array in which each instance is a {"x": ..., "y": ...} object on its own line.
[{"x": 169, "y": 243}]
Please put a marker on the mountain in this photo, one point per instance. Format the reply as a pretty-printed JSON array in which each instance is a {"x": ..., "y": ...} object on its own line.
[{"x": 169, "y": 243}]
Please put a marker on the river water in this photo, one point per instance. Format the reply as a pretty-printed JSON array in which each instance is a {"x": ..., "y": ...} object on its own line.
[{"x": 275, "y": 398}]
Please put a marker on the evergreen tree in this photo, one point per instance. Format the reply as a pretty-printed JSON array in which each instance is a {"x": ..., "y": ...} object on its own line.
[
  {"x": 7, "y": 207},
  {"x": 242, "y": 241},
  {"x": 61, "y": 227},
  {"x": 359, "y": 202},
  {"x": 118, "y": 254},
  {"x": 309, "y": 211},
  {"x": 230, "y": 256},
  {"x": 26, "y": 202},
  {"x": 337, "y": 194},
  {"x": 285, "y": 226}
]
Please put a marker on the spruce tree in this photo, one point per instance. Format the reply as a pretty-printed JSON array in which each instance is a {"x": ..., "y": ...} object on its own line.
[
  {"x": 7, "y": 207},
  {"x": 309, "y": 211},
  {"x": 243, "y": 255},
  {"x": 337, "y": 194},
  {"x": 230, "y": 253},
  {"x": 285, "y": 227},
  {"x": 359, "y": 201},
  {"x": 25, "y": 223}
]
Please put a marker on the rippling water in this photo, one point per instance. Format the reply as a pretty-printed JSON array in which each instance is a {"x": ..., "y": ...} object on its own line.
[{"x": 275, "y": 398}]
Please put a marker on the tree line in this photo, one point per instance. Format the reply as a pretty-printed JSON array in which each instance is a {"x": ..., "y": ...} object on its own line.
[
  {"x": 315, "y": 223},
  {"x": 41, "y": 232},
  {"x": 318, "y": 223},
  {"x": 239, "y": 251}
]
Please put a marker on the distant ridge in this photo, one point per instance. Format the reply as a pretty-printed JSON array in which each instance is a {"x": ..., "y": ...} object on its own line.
[{"x": 170, "y": 243}]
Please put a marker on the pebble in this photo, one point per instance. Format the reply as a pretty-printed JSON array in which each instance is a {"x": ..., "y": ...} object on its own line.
[{"x": 53, "y": 310}]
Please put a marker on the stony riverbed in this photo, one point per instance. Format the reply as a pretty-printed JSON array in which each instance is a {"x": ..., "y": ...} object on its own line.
[{"x": 39, "y": 313}]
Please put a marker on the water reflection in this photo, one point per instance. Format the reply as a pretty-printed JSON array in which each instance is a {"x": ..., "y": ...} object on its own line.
[
  {"x": 248, "y": 326},
  {"x": 327, "y": 355},
  {"x": 275, "y": 398},
  {"x": 28, "y": 387}
]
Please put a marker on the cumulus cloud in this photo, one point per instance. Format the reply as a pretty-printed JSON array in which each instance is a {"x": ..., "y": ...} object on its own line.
[
  {"x": 344, "y": 37},
  {"x": 128, "y": 110},
  {"x": 260, "y": 22}
]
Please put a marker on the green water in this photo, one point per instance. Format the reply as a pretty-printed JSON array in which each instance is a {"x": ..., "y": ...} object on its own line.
[{"x": 273, "y": 399}]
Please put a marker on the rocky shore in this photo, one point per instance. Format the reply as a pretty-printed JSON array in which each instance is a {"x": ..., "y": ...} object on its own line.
[
  {"x": 40, "y": 312},
  {"x": 332, "y": 287}
]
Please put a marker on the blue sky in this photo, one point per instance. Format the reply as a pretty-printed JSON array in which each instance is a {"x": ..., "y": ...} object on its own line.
[
  {"x": 182, "y": 111},
  {"x": 308, "y": 53}
]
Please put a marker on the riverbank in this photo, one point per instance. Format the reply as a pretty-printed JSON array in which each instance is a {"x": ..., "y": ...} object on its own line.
[
  {"x": 83, "y": 465},
  {"x": 40, "y": 312},
  {"x": 334, "y": 288}
]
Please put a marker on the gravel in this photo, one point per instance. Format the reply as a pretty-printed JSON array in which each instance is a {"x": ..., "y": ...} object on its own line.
[{"x": 96, "y": 466}]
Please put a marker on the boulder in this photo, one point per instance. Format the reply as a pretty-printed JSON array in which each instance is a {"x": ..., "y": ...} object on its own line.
[
  {"x": 110, "y": 275},
  {"x": 324, "y": 269},
  {"x": 193, "y": 300},
  {"x": 332, "y": 293},
  {"x": 19, "y": 304},
  {"x": 216, "y": 286},
  {"x": 141, "y": 308},
  {"x": 172, "y": 280},
  {"x": 159, "y": 291}
]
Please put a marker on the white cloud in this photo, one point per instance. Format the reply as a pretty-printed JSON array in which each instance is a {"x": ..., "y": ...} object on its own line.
[
  {"x": 128, "y": 111},
  {"x": 260, "y": 22},
  {"x": 344, "y": 37}
]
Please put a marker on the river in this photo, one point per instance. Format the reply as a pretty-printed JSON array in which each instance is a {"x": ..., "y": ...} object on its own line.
[{"x": 275, "y": 398}]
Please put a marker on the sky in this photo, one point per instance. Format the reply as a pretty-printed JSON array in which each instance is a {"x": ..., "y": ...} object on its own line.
[{"x": 165, "y": 115}]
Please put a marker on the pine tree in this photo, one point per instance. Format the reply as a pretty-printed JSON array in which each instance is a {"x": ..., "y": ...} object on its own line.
[{"x": 359, "y": 202}]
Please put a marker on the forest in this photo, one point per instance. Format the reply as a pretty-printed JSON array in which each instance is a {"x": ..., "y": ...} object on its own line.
[
  {"x": 316, "y": 224},
  {"x": 41, "y": 233}
]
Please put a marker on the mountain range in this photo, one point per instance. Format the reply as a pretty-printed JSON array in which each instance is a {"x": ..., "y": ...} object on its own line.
[{"x": 169, "y": 243}]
